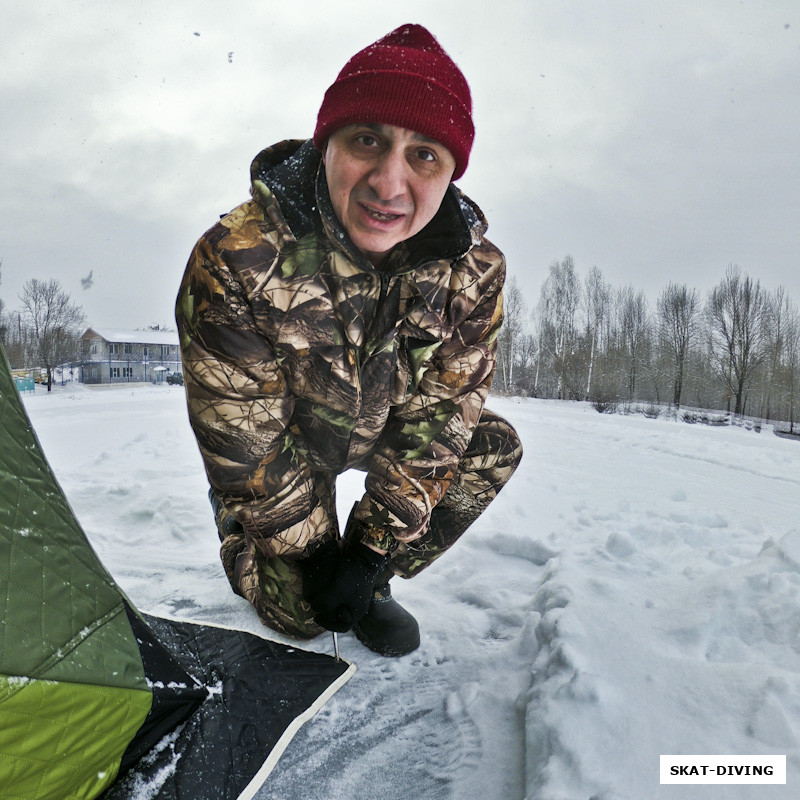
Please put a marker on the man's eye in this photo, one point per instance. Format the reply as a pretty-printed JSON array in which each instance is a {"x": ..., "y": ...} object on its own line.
[
  {"x": 367, "y": 140},
  {"x": 426, "y": 155}
]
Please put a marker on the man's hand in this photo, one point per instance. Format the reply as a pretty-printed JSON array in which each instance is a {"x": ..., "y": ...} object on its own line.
[
  {"x": 346, "y": 599},
  {"x": 319, "y": 569}
]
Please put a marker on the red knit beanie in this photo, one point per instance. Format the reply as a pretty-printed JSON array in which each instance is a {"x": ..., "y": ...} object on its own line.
[{"x": 404, "y": 79}]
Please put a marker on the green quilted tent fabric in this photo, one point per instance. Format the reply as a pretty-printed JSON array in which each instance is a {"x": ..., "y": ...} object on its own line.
[{"x": 73, "y": 692}]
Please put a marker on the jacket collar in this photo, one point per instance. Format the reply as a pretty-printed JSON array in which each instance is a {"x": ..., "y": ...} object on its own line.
[{"x": 293, "y": 172}]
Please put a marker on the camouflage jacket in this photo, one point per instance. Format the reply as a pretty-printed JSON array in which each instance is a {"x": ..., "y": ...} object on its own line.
[{"x": 301, "y": 359}]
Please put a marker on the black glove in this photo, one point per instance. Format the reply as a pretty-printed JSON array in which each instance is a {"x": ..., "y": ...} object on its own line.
[
  {"x": 346, "y": 600},
  {"x": 318, "y": 569}
]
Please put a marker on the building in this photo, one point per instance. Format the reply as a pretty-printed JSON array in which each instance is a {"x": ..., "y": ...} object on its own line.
[{"x": 111, "y": 355}]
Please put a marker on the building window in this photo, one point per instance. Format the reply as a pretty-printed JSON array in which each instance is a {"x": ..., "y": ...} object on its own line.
[
  {"x": 128, "y": 349},
  {"x": 113, "y": 349},
  {"x": 127, "y": 372},
  {"x": 114, "y": 372}
]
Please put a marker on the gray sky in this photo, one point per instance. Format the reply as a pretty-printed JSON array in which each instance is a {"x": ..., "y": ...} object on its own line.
[{"x": 659, "y": 141}]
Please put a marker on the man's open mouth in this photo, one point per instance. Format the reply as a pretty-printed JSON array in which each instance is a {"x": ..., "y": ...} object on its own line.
[{"x": 382, "y": 216}]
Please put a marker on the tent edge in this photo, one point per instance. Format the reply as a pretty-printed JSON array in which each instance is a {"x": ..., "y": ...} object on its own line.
[{"x": 277, "y": 751}]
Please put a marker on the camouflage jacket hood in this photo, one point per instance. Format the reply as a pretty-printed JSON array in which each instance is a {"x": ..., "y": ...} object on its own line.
[{"x": 302, "y": 360}]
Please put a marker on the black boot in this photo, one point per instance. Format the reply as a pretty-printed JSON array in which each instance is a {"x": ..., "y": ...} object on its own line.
[{"x": 387, "y": 629}]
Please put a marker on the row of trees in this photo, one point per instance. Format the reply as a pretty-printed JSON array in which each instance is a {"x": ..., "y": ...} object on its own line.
[
  {"x": 736, "y": 349},
  {"x": 44, "y": 332}
]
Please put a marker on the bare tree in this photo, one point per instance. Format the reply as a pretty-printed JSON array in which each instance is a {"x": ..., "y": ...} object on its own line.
[
  {"x": 633, "y": 327},
  {"x": 597, "y": 303},
  {"x": 537, "y": 340},
  {"x": 54, "y": 321},
  {"x": 557, "y": 308},
  {"x": 777, "y": 318},
  {"x": 792, "y": 365},
  {"x": 735, "y": 312},
  {"x": 2, "y": 315},
  {"x": 678, "y": 310},
  {"x": 527, "y": 363},
  {"x": 512, "y": 332}
]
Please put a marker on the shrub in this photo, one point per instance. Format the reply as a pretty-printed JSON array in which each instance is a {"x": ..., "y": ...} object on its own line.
[{"x": 652, "y": 411}]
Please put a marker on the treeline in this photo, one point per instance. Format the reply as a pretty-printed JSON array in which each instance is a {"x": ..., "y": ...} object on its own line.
[
  {"x": 44, "y": 332},
  {"x": 736, "y": 349}
]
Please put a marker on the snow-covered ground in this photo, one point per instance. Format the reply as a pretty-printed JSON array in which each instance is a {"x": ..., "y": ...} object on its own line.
[{"x": 634, "y": 591}]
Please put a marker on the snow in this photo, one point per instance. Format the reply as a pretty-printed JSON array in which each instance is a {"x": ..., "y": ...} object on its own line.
[
  {"x": 140, "y": 788},
  {"x": 634, "y": 591}
]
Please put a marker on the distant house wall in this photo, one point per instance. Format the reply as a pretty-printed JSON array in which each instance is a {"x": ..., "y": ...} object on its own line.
[{"x": 128, "y": 357}]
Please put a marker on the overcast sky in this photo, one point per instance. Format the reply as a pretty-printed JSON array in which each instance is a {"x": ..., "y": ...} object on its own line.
[{"x": 658, "y": 141}]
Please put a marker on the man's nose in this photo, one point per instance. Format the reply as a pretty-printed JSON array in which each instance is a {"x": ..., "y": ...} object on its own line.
[{"x": 388, "y": 177}]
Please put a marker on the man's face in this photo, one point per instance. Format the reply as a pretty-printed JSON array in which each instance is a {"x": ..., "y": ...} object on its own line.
[{"x": 386, "y": 183}]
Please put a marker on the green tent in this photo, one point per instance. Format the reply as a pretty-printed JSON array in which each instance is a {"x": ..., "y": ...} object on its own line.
[{"x": 99, "y": 699}]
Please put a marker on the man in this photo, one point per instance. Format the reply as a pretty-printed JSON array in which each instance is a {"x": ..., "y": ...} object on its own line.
[{"x": 346, "y": 317}]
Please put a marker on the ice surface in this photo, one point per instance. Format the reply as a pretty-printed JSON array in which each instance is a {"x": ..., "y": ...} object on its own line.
[{"x": 634, "y": 591}]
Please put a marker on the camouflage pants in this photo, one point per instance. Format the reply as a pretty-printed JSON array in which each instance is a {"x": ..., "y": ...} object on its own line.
[{"x": 274, "y": 586}]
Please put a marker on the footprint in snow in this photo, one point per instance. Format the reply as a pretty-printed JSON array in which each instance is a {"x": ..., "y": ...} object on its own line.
[{"x": 455, "y": 743}]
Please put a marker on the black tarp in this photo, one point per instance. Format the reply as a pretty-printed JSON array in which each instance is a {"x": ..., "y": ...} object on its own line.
[{"x": 258, "y": 693}]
